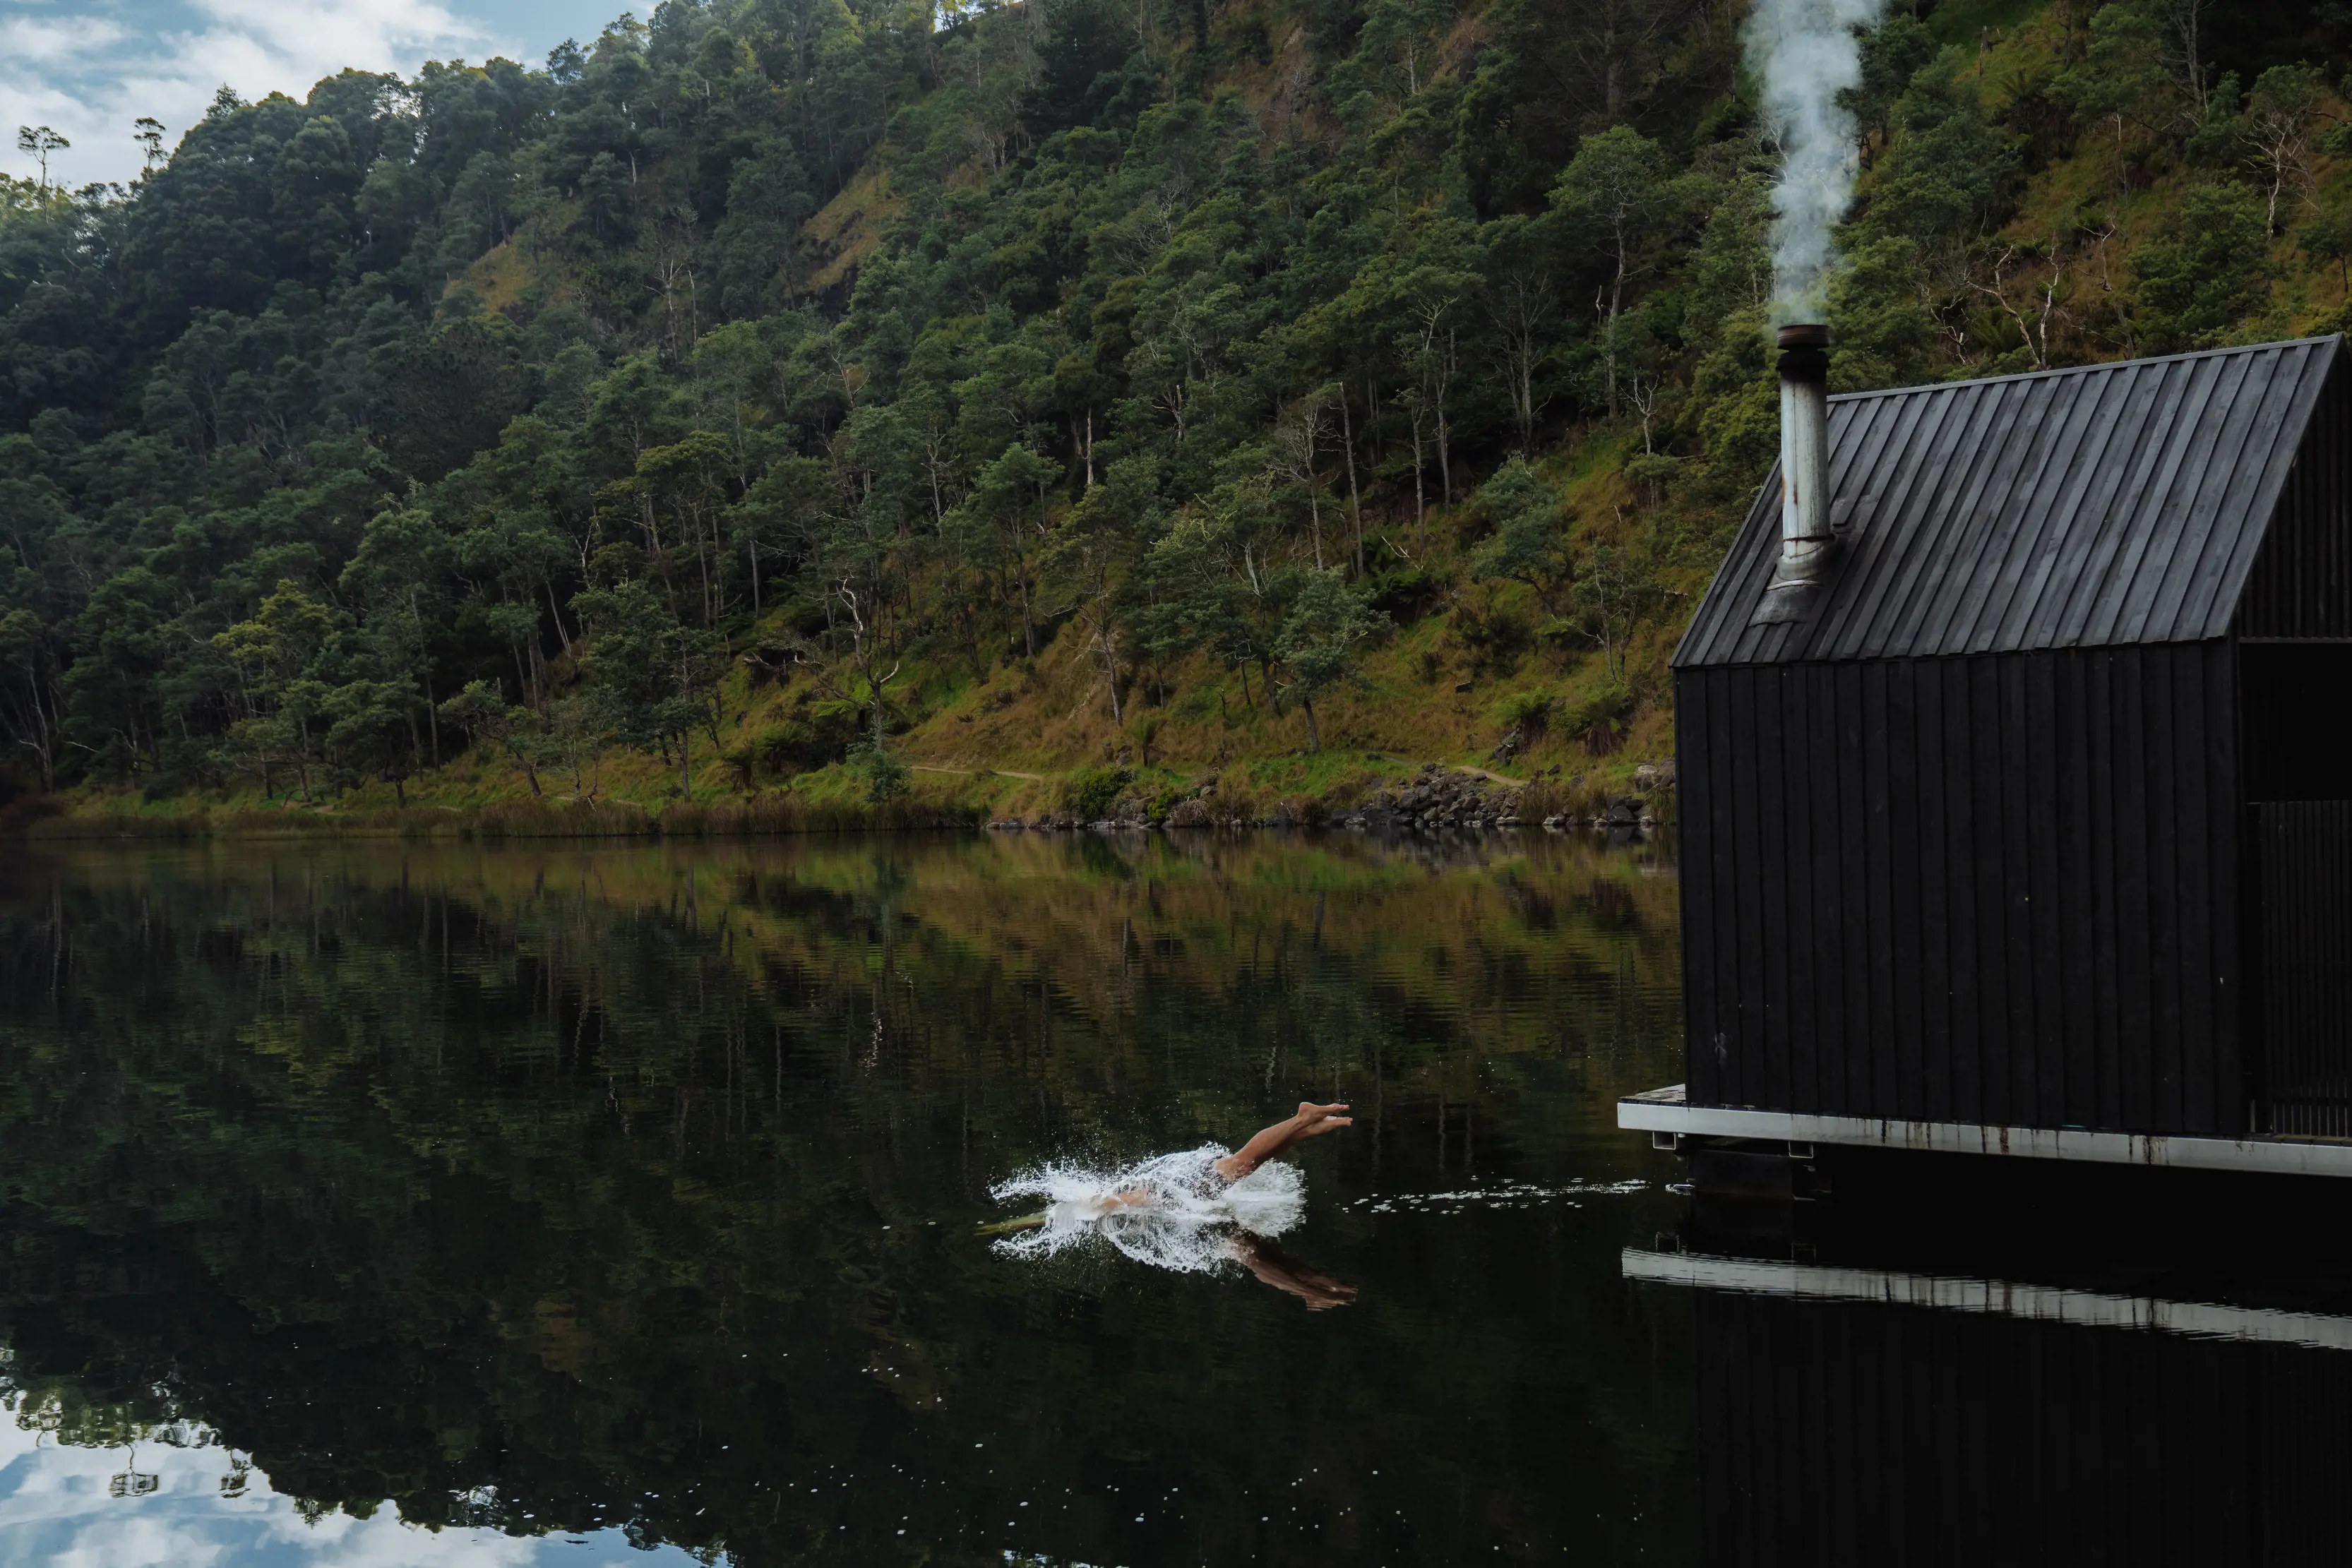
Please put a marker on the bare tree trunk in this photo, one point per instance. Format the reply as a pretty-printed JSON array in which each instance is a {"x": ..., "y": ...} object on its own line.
[
  {"x": 1420, "y": 466},
  {"x": 1028, "y": 626},
  {"x": 1314, "y": 518},
  {"x": 1616, "y": 302},
  {"x": 562, "y": 632},
  {"x": 1355, "y": 501}
]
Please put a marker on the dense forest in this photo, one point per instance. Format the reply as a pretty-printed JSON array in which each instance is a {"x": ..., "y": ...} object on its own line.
[{"x": 794, "y": 393}]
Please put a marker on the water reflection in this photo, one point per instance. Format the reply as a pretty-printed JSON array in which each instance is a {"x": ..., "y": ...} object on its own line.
[
  {"x": 2040, "y": 1367},
  {"x": 559, "y": 1189}
]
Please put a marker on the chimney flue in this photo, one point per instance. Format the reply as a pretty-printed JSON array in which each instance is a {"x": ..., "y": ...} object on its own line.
[{"x": 1807, "y": 542}]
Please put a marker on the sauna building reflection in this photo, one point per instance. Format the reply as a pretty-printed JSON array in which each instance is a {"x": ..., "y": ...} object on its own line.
[{"x": 1993, "y": 1377}]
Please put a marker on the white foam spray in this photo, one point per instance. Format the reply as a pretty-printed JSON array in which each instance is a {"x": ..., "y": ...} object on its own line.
[
  {"x": 1806, "y": 53},
  {"x": 1173, "y": 1211}
]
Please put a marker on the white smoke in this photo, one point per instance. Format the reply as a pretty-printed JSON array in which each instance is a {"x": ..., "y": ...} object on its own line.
[{"x": 1806, "y": 53}]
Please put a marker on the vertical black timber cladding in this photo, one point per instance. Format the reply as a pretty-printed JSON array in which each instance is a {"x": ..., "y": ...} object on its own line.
[
  {"x": 1834, "y": 1033},
  {"x": 2164, "y": 699},
  {"x": 2222, "y": 982},
  {"x": 1995, "y": 888},
  {"x": 1985, "y": 855},
  {"x": 1766, "y": 1070},
  {"x": 1802, "y": 1021},
  {"x": 1739, "y": 1053},
  {"x": 1850, "y": 1076},
  {"x": 1695, "y": 757},
  {"x": 1883, "y": 1051},
  {"x": 2133, "y": 723},
  {"x": 2306, "y": 851},
  {"x": 1725, "y": 778},
  {"x": 1962, "y": 983},
  {"x": 2302, "y": 581}
]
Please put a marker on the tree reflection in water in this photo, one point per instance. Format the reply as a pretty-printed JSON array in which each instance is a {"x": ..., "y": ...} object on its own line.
[{"x": 555, "y": 1187}]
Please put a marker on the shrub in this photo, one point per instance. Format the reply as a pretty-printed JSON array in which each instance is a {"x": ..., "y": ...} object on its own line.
[
  {"x": 1234, "y": 803},
  {"x": 1606, "y": 705},
  {"x": 1493, "y": 637},
  {"x": 1165, "y": 800},
  {"x": 1403, "y": 592},
  {"x": 819, "y": 737},
  {"x": 1090, "y": 792},
  {"x": 1551, "y": 796},
  {"x": 1527, "y": 712},
  {"x": 885, "y": 773}
]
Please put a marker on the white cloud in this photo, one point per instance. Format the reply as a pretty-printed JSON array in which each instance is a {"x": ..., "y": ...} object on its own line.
[
  {"x": 89, "y": 72},
  {"x": 57, "y": 1507},
  {"x": 46, "y": 40}
]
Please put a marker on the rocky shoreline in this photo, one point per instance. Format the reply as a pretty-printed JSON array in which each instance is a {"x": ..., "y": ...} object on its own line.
[{"x": 1436, "y": 800}]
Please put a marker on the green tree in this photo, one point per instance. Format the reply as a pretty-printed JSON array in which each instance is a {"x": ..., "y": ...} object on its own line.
[
  {"x": 1091, "y": 555},
  {"x": 482, "y": 711},
  {"x": 1319, "y": 644},
  {"x": 1528, "y": 544},
  {"x": 31, "y": 692},
  {"x": 2280, "y": 116},
  {"x": 1618, "y": 591},
  {"x": 1011, "y": 491},
  {"x": 2123, "y": 83},
  {"x": 2327, "y": 236},
  {"x": 1613, "y": 198},
  {"x": 372, "y": 729},
  {"x": 886, "y": 775},
  {"x": 652, "y": 676},
  {"x": 2205, "y": 273},
  {"x": 270, "y": 652}
]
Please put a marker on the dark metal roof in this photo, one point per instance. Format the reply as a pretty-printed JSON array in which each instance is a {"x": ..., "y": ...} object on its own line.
[{"x": 2095, "y": 507}]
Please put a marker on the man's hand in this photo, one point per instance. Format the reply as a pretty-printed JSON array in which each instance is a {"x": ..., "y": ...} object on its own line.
[{"x": 1314, "y": 1120}]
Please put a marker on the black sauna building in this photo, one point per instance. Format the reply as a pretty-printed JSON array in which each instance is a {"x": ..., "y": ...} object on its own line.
[{"x": 2029, "y": 829}]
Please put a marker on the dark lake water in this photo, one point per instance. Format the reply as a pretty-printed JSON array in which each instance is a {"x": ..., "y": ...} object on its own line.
[
  {"x": 578, "y": 1201},
  {"x": 398, "y": 1204}
]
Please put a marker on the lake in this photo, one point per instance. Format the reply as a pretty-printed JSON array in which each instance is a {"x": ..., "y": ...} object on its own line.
[
  {"x": 425, "y": 1204},
  {"x": 438, "y": 1203}
]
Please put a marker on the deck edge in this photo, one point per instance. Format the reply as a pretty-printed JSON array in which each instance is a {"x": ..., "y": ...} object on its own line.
[{"x": 1666, "y": 1111}]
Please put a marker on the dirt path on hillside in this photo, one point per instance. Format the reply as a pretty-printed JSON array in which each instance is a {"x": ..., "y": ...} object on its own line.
[{"x": 967, "y": 772}]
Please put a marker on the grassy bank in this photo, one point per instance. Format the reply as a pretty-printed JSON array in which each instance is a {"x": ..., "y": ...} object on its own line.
[{"x": 1357, "y": 788}]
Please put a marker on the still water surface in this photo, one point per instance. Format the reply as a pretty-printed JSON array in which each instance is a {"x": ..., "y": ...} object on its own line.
[{"x": 393, "y": 1203}]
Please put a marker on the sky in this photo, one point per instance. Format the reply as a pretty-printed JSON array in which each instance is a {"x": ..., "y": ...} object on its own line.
[
  {"x": 86, "y": 69},
  {"x": 59, "y": 1505}
]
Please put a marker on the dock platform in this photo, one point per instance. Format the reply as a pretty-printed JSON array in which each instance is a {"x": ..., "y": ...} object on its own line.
[{"x": 1674, "y": 1123}]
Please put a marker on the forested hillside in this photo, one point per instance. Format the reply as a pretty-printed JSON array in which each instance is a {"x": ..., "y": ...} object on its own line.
[{"x": 797, "y": 394}]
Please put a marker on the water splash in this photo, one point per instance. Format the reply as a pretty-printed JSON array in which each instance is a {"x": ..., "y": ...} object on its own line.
[
  {"x": 1499, "y": 1195},
  {"x": 1807, "y": 53},
  {"x": 1173, "y": 1211}
]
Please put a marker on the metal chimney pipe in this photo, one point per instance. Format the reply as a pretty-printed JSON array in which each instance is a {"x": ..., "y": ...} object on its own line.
[{"x": 1807, "y": 545}]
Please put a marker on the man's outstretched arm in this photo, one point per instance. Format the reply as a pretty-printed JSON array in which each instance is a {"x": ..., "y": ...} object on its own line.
[{"x": 1312, "y": 1121}]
